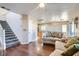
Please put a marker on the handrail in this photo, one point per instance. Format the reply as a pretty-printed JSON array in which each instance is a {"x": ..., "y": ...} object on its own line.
[{"x": 4, "y": 46}]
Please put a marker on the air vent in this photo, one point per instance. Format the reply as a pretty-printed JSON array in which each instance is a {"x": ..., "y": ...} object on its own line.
[
  {"x": 5, "y": 8},
  {"x": 40, "y": 20}
]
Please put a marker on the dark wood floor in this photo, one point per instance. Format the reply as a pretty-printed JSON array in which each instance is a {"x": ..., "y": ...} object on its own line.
[{"x": 31, "y": 49}]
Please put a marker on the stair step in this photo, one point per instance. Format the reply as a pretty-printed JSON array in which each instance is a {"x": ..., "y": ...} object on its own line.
[
  {"x": 11, "y": 40},
  {"x": 7, "y": 28},
  {"x": 8, "y": 35},
  {"x": 9, "y": 32},
  {"x": 7, "y": 38},
  {"x": 12, "y": 44}
]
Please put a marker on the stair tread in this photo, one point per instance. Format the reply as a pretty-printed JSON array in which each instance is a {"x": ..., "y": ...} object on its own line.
[
  {"x": 13, "y": 43},
  {"x": 8, "y": 32},
  {"x": 7, "y": 28},
  {"x": 10, "y": 38},
  {"x": 9, "y": 41},
  {"x": 9, "y": 35}
]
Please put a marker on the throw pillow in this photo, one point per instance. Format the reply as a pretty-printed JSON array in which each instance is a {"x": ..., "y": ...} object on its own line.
[
  {"x": 60, "y": 35},
  {"x": 70, "y": 51},
  {"x": 77, "y": 46},
  {"x": 64, "y": 40},
  {"x": 71, "y": 41}
]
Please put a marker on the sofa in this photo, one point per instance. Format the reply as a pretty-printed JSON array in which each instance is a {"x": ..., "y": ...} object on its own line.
[
  {"x": 51, "y": 37},
  {"x": 59, "y": 48}
]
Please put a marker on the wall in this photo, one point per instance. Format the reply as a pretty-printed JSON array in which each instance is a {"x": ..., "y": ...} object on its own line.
[
  {"x": 3, "y": 17},
  {"x": 29, "y": 29},
  {"x": 32, "y": 29},
  {"x": 25, "y": 29},
  {"x": 53, "y": 27}
]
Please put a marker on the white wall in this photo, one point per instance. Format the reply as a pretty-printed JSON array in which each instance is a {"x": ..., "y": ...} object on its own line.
[
  {"x": 3, "y": 17},
  {"x": 32, "y": 35},
  {"x": 56, "y": 27},
  {"x": 53, "y": 27},
  {"x": 25, "y": 29},
  {"x": 29, "y": 29}
]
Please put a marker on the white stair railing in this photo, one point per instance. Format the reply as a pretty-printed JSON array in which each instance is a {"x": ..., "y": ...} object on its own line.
[{"x": 2, "y": 38}]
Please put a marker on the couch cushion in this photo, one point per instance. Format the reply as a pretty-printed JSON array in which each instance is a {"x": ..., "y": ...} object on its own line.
[
  {"x": 76, "y": 54},
  {"x": 54, "y": 34},
  {"x": 56, "y": 53},
  {"x": 57, "y": 34},
  {"x": 77, "y": 46},
  {"x": 47, "y": 34},
  {"x": 60, "y": 35},
  {"x": 70, "y": 51},
  {"x": 59, "y": 45},
  {"x": 71, "y": 41}
]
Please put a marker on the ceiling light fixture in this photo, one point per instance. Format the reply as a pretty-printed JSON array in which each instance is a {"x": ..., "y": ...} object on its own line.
[{"x": 41, "y": 5}]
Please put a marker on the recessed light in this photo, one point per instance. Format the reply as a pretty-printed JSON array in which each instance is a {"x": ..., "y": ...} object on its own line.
[{"x": 41, "y": 5}]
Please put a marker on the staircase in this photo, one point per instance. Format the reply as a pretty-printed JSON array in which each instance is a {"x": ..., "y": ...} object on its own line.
[{"x": 10, "y": 38}]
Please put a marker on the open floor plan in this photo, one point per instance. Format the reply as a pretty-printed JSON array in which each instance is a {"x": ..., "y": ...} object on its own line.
[{"x": 39, "y": 29}]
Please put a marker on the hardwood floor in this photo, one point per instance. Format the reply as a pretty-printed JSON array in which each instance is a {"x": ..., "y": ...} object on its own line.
[{"x": 32, "y": 49}]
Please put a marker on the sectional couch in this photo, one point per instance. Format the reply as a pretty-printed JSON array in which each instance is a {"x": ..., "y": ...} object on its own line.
[
  {"x": 59, "y": 48},
  {"x": 51, "y": 37}
]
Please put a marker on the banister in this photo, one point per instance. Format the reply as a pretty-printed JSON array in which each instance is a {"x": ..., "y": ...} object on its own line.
[{"x": 2, "y": 37}]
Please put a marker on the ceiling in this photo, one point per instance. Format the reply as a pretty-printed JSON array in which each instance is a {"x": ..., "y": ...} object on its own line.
[{"x": 51, "y": 11}]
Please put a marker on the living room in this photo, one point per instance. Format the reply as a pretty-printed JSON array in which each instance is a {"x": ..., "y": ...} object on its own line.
[{"x": 39, "y": 29}]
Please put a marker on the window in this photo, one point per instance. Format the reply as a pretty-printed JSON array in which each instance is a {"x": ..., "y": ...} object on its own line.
[
  {"x": 43, "y": 27},
  {"x": 64, "y": 28}
]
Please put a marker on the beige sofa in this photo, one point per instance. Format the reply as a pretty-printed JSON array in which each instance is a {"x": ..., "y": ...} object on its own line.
[
  {"x": 51, "y": 37},
  {"x": 59, "y": 48}
]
